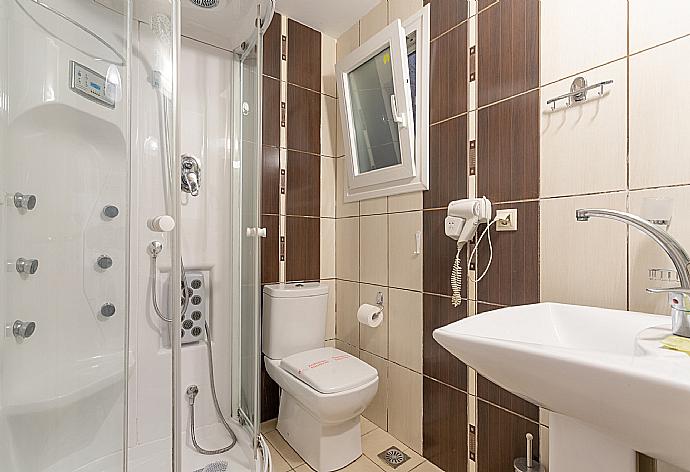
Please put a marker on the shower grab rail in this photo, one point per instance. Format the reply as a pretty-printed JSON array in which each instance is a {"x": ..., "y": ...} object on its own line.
[{"x": 578, "y": 92}]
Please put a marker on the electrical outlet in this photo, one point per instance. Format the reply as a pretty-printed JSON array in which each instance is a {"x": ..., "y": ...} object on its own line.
[{"x": 507, "y": 220}]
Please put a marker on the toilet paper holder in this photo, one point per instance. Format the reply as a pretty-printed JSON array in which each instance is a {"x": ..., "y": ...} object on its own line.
[{"x": 379, "y": 300}]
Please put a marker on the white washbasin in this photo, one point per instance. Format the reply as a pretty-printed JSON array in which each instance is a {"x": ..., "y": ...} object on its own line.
[{"x": 605, "y": 368}]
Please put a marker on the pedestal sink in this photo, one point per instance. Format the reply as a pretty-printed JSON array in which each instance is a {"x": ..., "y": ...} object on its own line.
[{"x": 611, "y": 387}]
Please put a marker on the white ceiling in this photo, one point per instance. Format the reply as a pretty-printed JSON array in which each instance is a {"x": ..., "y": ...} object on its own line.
[{"x": 331, "y": 17}]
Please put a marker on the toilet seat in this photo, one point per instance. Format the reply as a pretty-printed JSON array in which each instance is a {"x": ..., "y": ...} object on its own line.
[{"x": 328, "y": 370}]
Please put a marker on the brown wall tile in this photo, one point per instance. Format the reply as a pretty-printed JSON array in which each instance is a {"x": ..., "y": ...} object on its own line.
[
  {"x": 447, "y": 163},
  {"x": 304, "y": 120},
  {"x": 508, "y": 149},
  {"x": 270, "y": 249},
  {"x": 439, "y": 254},
  {"x": 271, "y": 112},
  {"x": 270, "y": 395},
  {"x": 270, "y": 180},
  {"x": 513, "y": 278},
  {"x": 303, "y": 184},
  {"x": 302, "y": 254},
  {"x": 508, "y": 50},
  {"x": 481, "y": 4},
  {"x": 445, "y": 14},
  {"x": 501, "y": 438},
  {"x": 444, "y": 425},
  {"x": 272, "y": 38},
  {"x": 448, "y": 69},
  {"x": 439, "y": 363},
  {"x": 492, "y": 393},
  {"x": 304, "y": 56}
]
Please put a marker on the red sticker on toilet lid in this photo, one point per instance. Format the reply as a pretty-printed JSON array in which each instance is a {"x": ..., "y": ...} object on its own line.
[{"x": 329, "y": 370}]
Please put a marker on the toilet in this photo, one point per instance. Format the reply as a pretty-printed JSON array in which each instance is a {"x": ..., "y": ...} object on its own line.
[{"x": 323, "y": 390}]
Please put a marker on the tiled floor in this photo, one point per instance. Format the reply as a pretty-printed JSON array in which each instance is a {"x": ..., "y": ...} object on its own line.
[{"x": 374, "y": 441}]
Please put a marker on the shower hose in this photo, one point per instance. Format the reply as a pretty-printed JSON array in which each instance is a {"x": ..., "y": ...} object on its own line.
[{"x": 193, "y": 390}]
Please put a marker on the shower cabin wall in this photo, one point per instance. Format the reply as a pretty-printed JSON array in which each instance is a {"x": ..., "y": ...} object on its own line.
[
  {"x": 61, "y": 389},
  {"x": 206, "y": 101}
]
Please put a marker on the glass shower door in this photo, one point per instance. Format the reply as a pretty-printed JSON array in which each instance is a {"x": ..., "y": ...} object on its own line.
[
  {"x": 64, "y": 178},
  {"x": 249, "y": 235}
]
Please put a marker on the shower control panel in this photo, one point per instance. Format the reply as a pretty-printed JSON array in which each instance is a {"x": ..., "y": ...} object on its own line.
[
  {"x": 89, "y": 84},
  {"x": 194, "y": 317}
]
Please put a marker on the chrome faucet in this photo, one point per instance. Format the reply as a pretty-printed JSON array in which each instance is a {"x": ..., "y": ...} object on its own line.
[
  {"x": 679, "y": 297},
  {"x": 191, "y": 170}
]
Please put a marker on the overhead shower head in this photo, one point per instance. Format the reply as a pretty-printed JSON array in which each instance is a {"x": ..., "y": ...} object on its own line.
[{"x": 205, "y": 3}]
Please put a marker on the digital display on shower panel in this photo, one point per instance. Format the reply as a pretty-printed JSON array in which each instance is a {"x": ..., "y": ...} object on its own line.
[{"x": 89, "y": 84}]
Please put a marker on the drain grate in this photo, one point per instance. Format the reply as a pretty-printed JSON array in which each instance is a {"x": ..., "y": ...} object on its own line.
[{"x": 394, "y": 457}]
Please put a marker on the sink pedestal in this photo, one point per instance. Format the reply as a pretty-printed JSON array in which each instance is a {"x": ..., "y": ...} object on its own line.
[{"x": 574, "y": 446}]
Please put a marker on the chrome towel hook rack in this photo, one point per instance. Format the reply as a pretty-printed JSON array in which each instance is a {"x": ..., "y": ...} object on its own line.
[{"x": 578, "y": 92}]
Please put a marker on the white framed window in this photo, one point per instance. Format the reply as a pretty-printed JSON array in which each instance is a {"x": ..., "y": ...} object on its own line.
[{"x": 385, "y": 111}]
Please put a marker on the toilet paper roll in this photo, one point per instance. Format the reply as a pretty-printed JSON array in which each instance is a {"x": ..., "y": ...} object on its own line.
[{"x": 370, "y": 315}]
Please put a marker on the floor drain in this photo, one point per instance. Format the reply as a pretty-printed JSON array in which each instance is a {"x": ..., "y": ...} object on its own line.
[{"x": 394, "y": 457}]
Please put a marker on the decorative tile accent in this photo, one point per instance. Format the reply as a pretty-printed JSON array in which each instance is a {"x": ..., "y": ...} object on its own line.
[
  {"x": 445, "y": 426},
  {"x": 303, "y": 189},
  {"x": 304, "y": 120},
  {"x": 439, "y": 254},
  {"x": 269, "y": 249},
  {"x": 447, "y": 163},
  {"x": 302, "y": 258},
  {"x": 508, "y": 149},
  {"x": 448, "y": 74},
  {"x": 501, "y": 438},
  {"x": 271, "y": 112},
  {"x": 270, "y": 180},
  {"x": 304, "y": 56},
  {"x": 513, "y": 278},
  {"x": 508, "y": 50},
  {"x": 439, "y": 363}
]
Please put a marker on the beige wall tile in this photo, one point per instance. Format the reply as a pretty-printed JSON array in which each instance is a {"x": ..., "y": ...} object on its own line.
[
  {"x": 347, "y": 42},
  {"x": 406, "y": 202},
  {"x": 374, "y": 340},
  {"x": 570, "y": 45},
  {"x": 664, "y": 467},
  {"x": 373, "y": 22},
  {"x": 658, "y": 120},
  {"x": 405, "y": 327},
  {"x": 645, "y": 254},
  {"x": 330, "y": 314},
  {"x": 373, "y": 206},
  {"x": 340, "y": 137},
  {"x": 328, "y": 58},
  {"x": 652, "y": 23},
  {"x": 373, "y": 249},
  {"x": 583, "y": 263},
  {"x": 346, "y": 325},
  {"x": 328, "y": 166},
  {"x": 377, "y": 411},
  {"x": 405, "y": 406},
  {"x": 327, "y": 242},
  {"x": 347, "y": 245},
  {"x": 329, "y": 125},
  {"x": 584, "y": 146},
  {"x": 404, "y": 266},
  {"x": 343, "y": 209},
  {"x": 343, "y": 346},
  {"x": 544, "y": 446},
  {"x": 403, "y": 9}
]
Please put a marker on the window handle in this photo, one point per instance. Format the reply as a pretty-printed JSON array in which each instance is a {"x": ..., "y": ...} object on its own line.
[{"x": 397, "y": 117}]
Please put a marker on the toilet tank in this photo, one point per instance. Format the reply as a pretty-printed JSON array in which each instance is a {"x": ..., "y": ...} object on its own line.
[{"x": 294, "y": 318}]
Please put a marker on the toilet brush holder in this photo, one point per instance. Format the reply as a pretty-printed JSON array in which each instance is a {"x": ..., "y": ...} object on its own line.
[{"x": 528, "y": 464}]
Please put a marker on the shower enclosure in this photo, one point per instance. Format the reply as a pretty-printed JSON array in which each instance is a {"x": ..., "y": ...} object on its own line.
[{"x": 99, "y": 101}]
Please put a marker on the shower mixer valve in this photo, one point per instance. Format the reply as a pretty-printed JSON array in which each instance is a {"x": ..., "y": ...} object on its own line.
[{"x": 191, "y": 175}]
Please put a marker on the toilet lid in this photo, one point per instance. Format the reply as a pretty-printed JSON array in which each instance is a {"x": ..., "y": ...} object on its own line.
[{"x": 329, "y": 370}]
